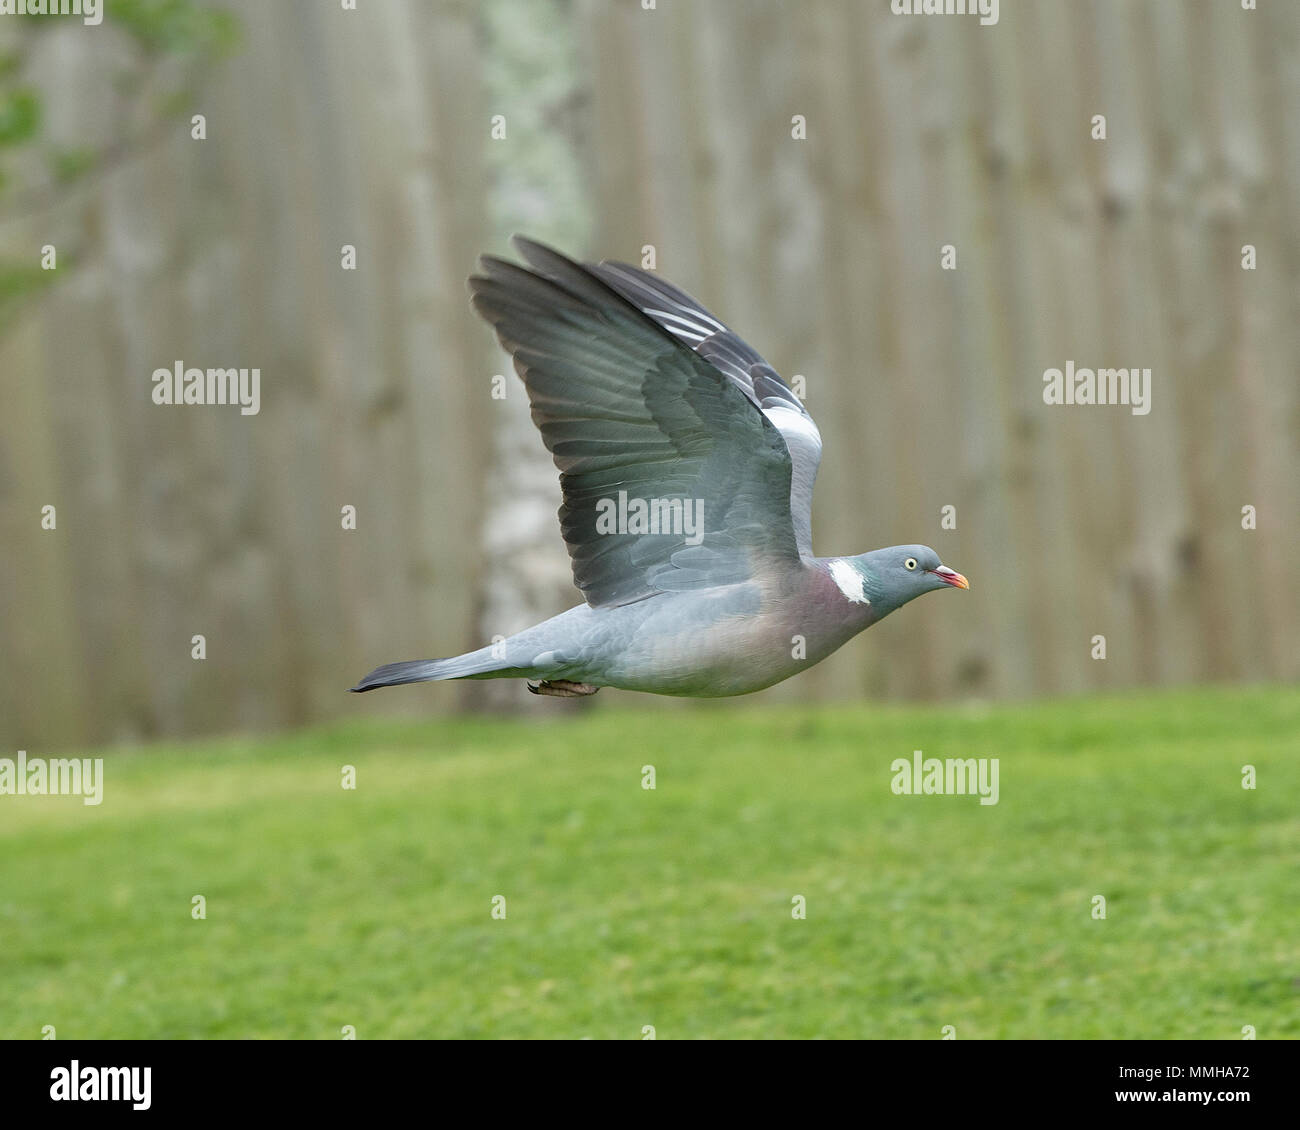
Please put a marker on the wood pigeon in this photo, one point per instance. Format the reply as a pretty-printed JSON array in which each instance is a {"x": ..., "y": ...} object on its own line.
[{"x": 687, "y": 467}]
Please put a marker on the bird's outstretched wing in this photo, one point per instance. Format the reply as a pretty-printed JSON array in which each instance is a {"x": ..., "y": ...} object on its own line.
[
  {"x": 688, "y": 321},
  {"x": 626, "y": 407}
]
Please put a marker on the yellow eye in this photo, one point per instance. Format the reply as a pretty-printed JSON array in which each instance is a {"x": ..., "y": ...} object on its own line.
[{"x": 910, "y": 563}]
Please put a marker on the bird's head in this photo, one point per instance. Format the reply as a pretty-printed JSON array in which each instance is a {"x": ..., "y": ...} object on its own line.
[{"x": 893, "y": 576}]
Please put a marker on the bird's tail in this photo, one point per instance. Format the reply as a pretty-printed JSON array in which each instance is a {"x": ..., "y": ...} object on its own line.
[{"x": 473, "y": 664}]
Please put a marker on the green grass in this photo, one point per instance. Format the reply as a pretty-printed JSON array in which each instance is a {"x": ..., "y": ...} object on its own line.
[{"x": 672, "y": 907}]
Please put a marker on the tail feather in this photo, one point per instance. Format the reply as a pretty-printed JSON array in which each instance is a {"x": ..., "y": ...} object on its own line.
[{"x": 474, "y": 664}]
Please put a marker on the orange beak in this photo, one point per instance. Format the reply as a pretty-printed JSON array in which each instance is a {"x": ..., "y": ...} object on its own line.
[{"x": 951, "y": 577}]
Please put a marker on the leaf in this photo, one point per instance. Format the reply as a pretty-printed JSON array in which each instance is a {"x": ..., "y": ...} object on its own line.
[
  {"x": 20, "y": 115},
  {"x": 68, "y": 165}
]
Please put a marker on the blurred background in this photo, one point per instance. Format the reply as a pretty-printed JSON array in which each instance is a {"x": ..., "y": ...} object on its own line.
[
  {"x": 302, "y": 187},
  {"x": 423, "y": 134}
]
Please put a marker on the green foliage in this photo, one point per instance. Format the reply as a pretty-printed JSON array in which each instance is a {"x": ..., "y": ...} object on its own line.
[
  {"x": 69, "y": 165},
  {"x": 20, "y": 279},
  {"x": 10, "y": 64},
  {"x": 20, "y": 115},
  {"x": 177, "y": 27},
  {"x": 161, "y": 30},
  {"x": 672, "y": 907}
]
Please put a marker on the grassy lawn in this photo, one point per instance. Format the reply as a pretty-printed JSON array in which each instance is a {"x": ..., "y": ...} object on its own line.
[{"x": 672, "y": 907}]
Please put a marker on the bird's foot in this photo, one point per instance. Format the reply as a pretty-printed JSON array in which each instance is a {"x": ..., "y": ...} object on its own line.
[{"x": 562, "y": 688}]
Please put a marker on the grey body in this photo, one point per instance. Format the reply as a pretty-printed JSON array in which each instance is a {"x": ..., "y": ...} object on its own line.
[
  {"x": 731, "y": 640},
  {"x": 636, "y": 388}
]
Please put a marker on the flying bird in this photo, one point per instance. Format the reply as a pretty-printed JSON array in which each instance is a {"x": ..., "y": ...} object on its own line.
[{"x": 687, "y": 467}]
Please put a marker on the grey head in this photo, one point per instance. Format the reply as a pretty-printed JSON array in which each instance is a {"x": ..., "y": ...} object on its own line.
[{"x": 899, "y": 573}]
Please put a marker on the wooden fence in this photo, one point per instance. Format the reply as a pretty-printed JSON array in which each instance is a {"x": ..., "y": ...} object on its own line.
[{"x": 679, "y": 129}]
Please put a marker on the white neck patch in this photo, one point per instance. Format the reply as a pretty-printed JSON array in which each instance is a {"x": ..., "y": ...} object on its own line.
[{"x": 850, "y": 581}]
